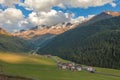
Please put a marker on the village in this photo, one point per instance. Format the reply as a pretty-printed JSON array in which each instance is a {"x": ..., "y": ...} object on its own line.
[
  {"x": 75, "y": 67},
  {"x": 71, "y": 65}
]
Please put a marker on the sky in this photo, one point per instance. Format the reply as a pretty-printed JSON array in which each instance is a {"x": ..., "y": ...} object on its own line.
[{"x": 24, "y": 14}]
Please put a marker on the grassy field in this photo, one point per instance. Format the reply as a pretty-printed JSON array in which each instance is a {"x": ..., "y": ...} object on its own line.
[{"x": 44, "y": 68}]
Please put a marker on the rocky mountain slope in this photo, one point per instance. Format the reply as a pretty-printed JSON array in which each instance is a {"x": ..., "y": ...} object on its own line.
[
  {"x": 42, "y": 34},
  {"x": 43, "y": 29}
]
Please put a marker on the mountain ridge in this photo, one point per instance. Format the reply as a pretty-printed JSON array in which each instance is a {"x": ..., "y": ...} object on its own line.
[
  {"x": 43, "y": 29},
  {"x": 80, "y": 44},
  {"x": 10, "y": 43},
  {"x": 42, "y": 34},
  {"x": 112, "y": 13},
  {"x": 4, "y": 32},
  {"x": 101, "y": 16}
]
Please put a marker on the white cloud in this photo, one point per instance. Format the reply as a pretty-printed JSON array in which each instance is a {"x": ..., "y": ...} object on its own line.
[
  {"x": 2, "y": 1},
  {"x": 41, "y": 5},
  {"x": 9, "y": 3},
  {"x": 13, "y": 19},
  {"x": 23, "y": 23},
  {"x": 88, "y": 3},
  {"x": 10, "y": 18},
  {"x": 46, "y": 5},
  {"x": 81, "y": 19},
  {"x": 48, "y": 18},
  {"x": 113, "y": 4}
]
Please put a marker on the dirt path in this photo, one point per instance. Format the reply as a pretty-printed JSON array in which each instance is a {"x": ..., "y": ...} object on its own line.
[{"x": 8, "y": 77}]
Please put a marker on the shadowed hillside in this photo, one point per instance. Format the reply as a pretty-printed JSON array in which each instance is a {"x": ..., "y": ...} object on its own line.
[
  {"x": 12, "y": 44},
  {"x": 97, "y": 44}
]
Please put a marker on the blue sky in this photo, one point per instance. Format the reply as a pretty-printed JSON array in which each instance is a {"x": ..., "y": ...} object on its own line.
[
  {"x": 90, "y": 10},
  {"x": 24, "y": 14},
  {"x": 78, "y": 11},
  {"x": 24, "y": 11}
]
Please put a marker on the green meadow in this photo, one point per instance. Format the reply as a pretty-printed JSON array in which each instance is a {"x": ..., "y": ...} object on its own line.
[{"x": 44, "y": 68}]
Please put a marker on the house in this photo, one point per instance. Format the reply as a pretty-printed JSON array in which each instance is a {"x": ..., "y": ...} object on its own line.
[
  {"x": 72, "y": 68},
  {"x": 91, "y": 69},
  {"x": 85, "y": 68},
  {"x": 49, "y": 56},
  {"x": 79, "y": 68},
  {"x": 62, "y": 65},
  {"x": 69, "y": 65},
  {"x": 59, "y": 65}
]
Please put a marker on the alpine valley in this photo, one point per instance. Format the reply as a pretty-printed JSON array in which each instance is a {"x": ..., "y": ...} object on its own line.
[{"x": 35, "y": 53}]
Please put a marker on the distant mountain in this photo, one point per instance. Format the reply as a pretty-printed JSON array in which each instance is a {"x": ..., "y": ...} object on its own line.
[
  {"x": 9, "y": 43},
  {"x": 43, "y": 29},
  {"x": 101, "y": 16},
  {"x": 112, "y": 13},
  {"x": 4, "y": 32},
  {"x": 42, "y": 34},
  {"x": 96, "y": 44}
]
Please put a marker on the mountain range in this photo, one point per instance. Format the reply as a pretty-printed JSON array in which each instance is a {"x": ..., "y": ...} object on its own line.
[
  {"x": 42, "y": 34},
  {"x": 94, "y": 42}
]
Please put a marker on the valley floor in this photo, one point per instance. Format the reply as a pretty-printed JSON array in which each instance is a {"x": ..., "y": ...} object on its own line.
[{"x": 43, "y": 68}]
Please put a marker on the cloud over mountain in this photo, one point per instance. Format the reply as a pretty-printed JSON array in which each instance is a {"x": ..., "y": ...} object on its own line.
[
  {"x": 43, "y": 13},
  {"x": 49, "y": 18},
  {"x": 10, "y": 18}
]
